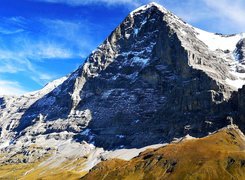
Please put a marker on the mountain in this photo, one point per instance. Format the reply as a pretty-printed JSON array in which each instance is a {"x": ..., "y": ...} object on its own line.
[
  {"x": 153, "y": 79},
  {"x": 219, "y": 155}
]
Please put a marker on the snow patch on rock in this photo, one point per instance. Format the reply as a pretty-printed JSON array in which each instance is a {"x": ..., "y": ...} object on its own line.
[{"x": 216, "y": 41}]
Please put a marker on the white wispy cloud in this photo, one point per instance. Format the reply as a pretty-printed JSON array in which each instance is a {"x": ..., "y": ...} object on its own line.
[
  {"x": 78, "y": 35},
  {"x": 35, "y": 50},
  {"x": 86, "y": 2},
  {"x": 220, "y": 12},
  {"x": 11, "y": 88},
  {"x": 50, "y": 52},
  {"x": 7, "y": 31},
  {"x": 54, "y": 38},
  {"x": 22, "y": 52},
  {"x": 11, "y": 25},
  {"x": 18, "y": 54},
  {"x": 15, "y": 65},
  {"x": 229, "y": 12},
  {"x": 24, "y": 59},
  {"x": 223, "y": 16}
]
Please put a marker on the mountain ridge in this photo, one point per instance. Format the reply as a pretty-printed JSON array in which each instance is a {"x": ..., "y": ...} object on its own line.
[{"x": 152, "y": 77}]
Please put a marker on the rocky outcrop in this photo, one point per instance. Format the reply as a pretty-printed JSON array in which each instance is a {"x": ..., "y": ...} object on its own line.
[
  {"x": 241, "y": 50},
  {"x": 241, "y": 106},
  {"x": 240, "y": 55}
]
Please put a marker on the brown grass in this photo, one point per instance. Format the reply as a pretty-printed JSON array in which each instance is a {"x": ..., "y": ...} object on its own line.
[
  {"x": 71, "y": 170},
  {"x": 218, "y": 156}
]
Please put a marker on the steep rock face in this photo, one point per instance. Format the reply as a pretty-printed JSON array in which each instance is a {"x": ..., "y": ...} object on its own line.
[
  {"x": 150, "y": 89},
  {"x": 153, "y": 77},
  {"x": 240, "y": 55},
  {"x": 241, "y": 106},
  {"x": 241, "y": 50}
]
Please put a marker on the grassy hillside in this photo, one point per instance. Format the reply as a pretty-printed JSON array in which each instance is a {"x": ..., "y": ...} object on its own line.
[
  {"x": 71, "y": 169},
  {"x": 218, "y": 156}
]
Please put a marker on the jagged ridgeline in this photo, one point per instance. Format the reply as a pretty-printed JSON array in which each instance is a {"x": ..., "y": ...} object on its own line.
[{"x": 153, "y": 79}]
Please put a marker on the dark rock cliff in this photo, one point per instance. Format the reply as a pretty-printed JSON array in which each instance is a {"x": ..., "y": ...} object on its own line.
[{"x": 147, "y": 83}]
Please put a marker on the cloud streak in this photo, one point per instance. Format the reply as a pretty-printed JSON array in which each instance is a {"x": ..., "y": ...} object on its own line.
[
  {"x": 229, "y": 12},
  {"x": 218, "y": 12},
  {"x": 22, "y": 51},
  {"x": 11, "y": 88},
  {"x": 87, "y": 2},
  {"x": 77, "y": 35},
  {"x": 27, "y": 51}
]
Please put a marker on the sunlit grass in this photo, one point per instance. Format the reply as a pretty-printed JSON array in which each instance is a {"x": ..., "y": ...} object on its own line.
[{"x": 218, "y": 156}]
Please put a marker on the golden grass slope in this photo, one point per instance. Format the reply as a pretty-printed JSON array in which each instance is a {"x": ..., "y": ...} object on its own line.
[
  {"x": 218, "y": 156},
  {"x": 71, "y": 169}
]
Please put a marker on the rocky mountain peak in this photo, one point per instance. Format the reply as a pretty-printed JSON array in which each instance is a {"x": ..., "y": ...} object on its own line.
[
  {"x": 155, "y": 76},
  {"x": 149, "y": 6}
]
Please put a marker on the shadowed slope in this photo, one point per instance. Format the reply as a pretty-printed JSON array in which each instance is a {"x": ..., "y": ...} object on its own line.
[{"x": 218, "y": 155}]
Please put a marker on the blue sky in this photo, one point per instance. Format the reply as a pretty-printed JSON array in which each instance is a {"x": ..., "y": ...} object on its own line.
[{"x": 42, "y": 40}]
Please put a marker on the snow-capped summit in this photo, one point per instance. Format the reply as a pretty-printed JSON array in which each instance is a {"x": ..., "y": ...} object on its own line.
[{"x": 150, "y": 5}]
